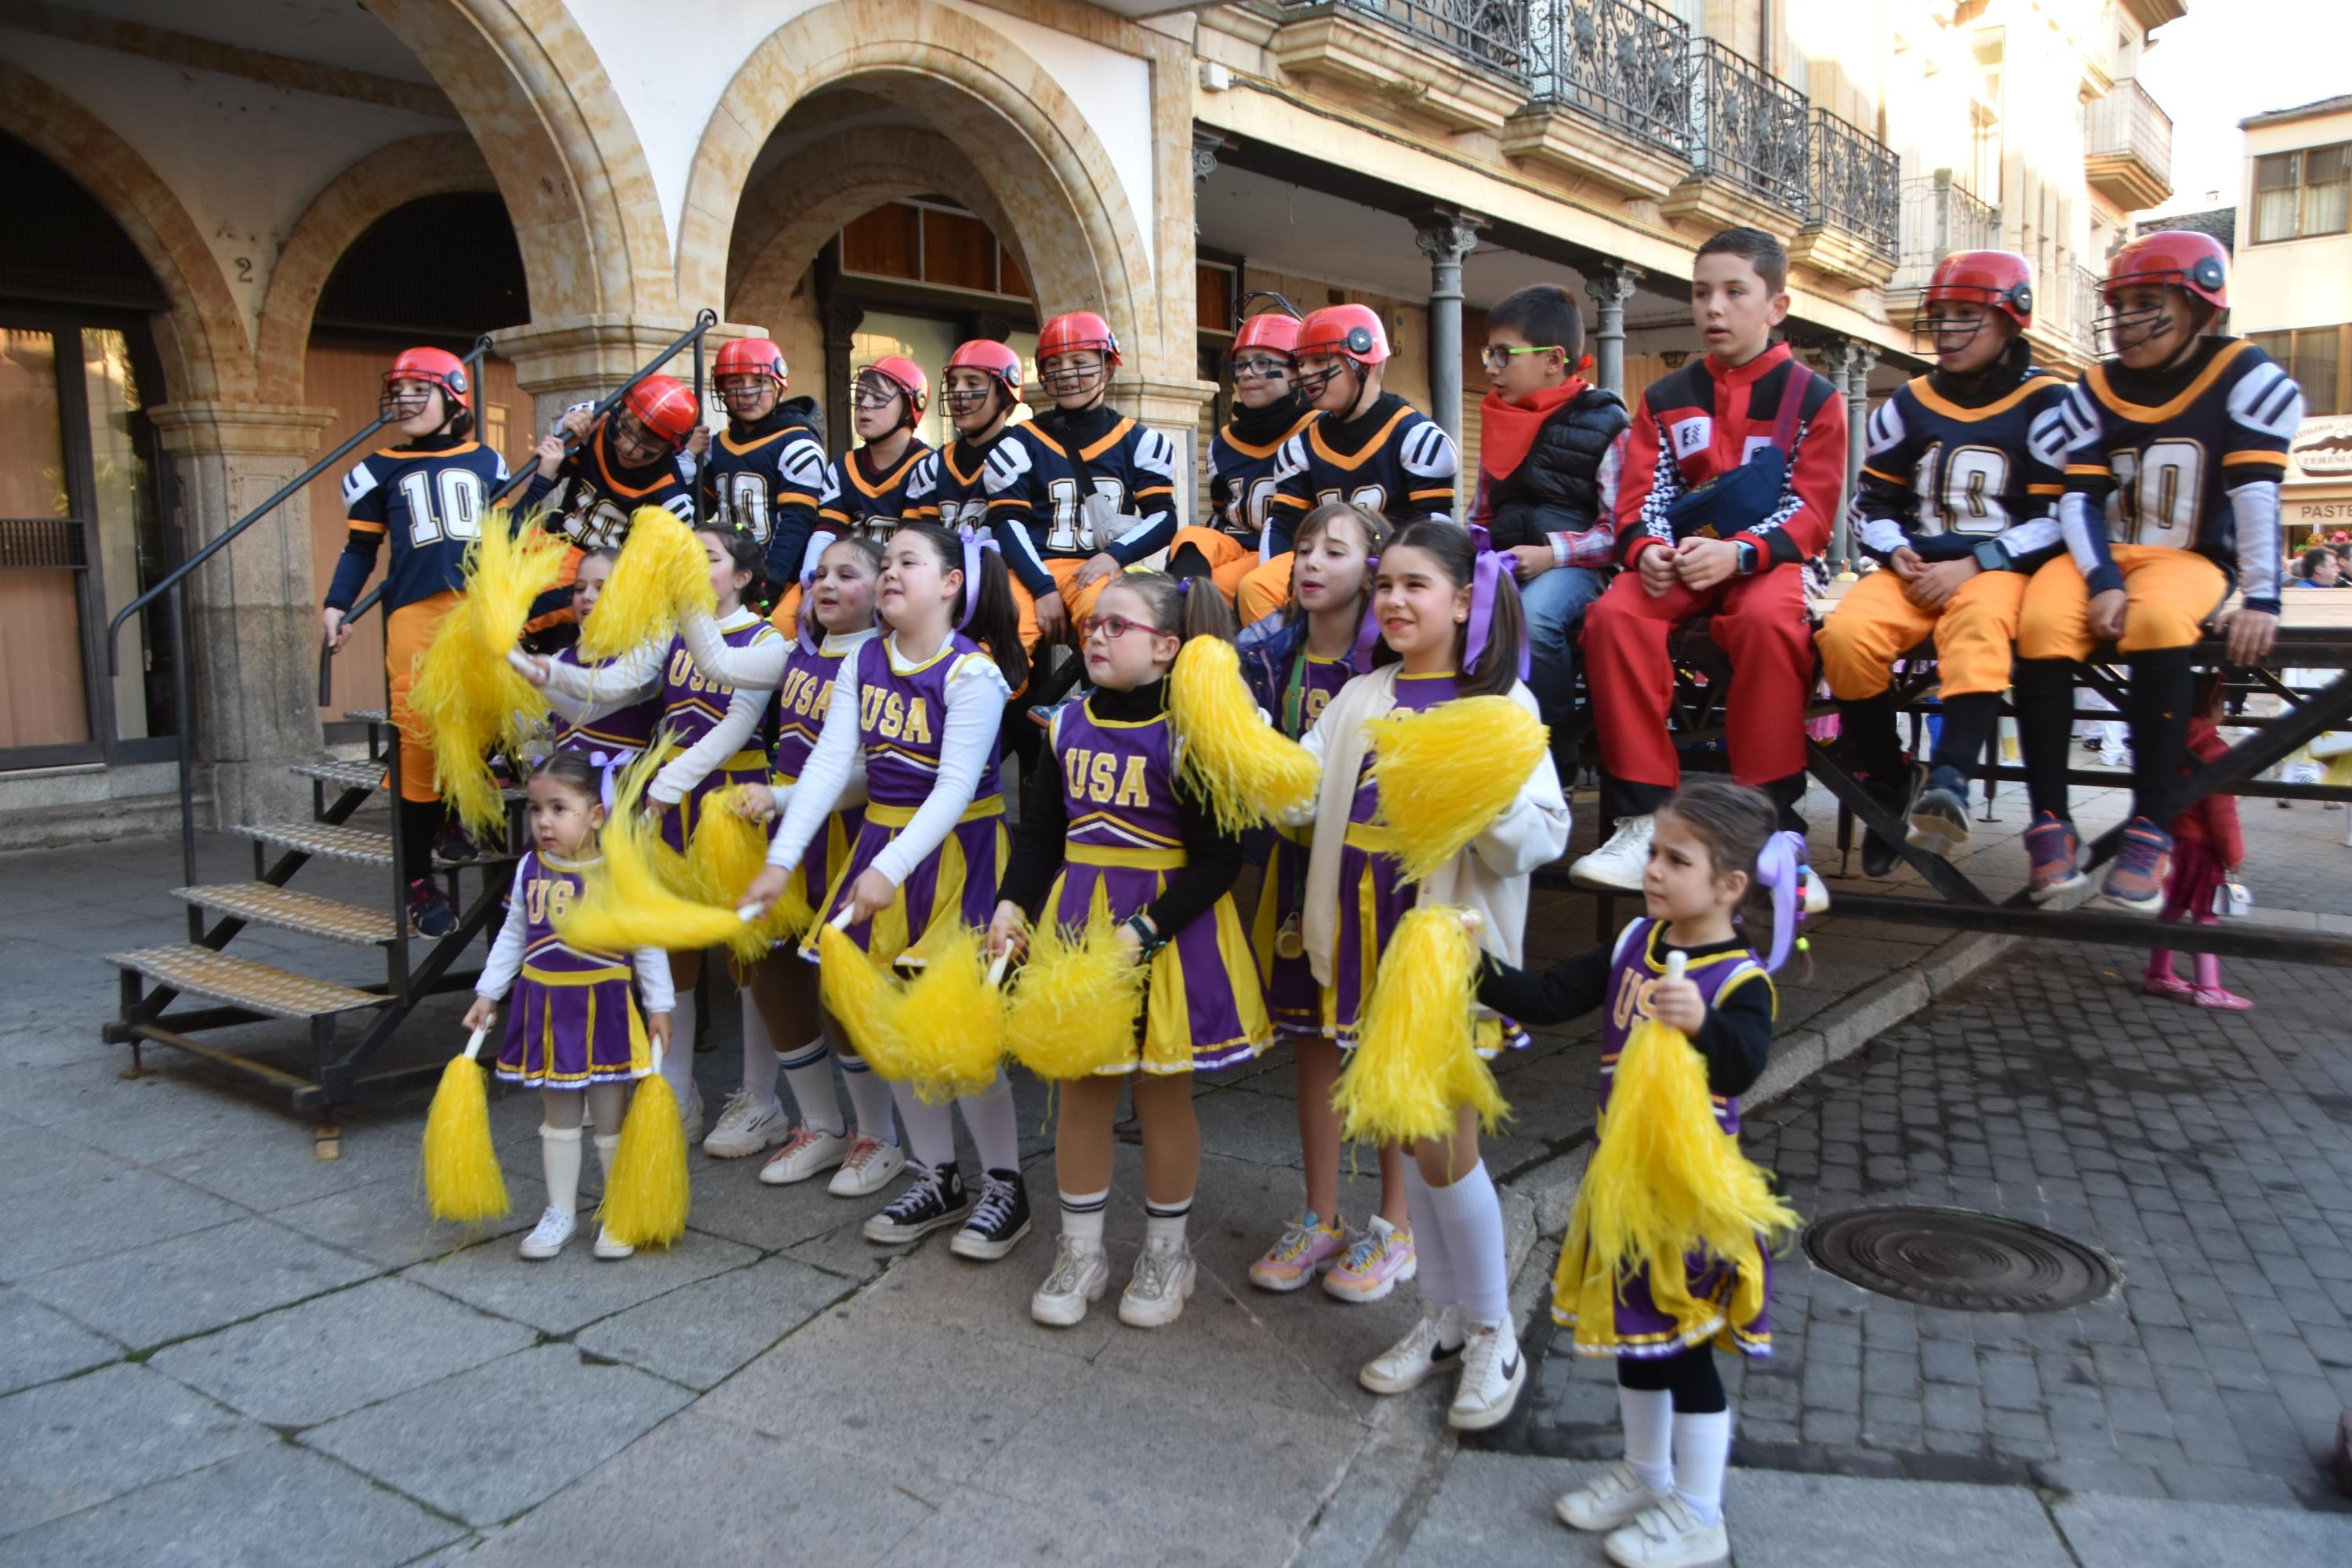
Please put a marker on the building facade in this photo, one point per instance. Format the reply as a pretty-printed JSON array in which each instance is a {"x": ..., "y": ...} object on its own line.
[{"x": 242, "y": 210}]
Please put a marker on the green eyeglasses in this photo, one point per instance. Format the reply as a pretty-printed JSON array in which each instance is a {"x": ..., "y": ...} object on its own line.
[{"x": 1499, "y": 359}]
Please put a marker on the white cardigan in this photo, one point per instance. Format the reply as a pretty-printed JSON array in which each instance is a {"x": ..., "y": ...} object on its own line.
[{"x": 1490, "y": 876}]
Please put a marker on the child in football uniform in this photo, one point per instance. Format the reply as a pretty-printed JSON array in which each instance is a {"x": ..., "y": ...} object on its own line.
[
  {"x": 765, "y": 472},
  {"x": 982, "y": 385},
  {"x": 1733, "y": 472},
  {"x": 1547, "y": 456},
  {"x": 1268, "y": 410},
  {"x": 866, "y": 488},
  {"x": 634, "y": 457},
  {"x": 2177, "y": 447},
  {"x": 427, "y": 493},
  {"x": 1366, "y": 446},
  {"x": 576, "y": 1033},
  {"x": 1105, "y": 824},
  {"x": 923, "y": 706},
  {"x": 1958, "y": 500},
  {"x": 1081, "y": 492}
]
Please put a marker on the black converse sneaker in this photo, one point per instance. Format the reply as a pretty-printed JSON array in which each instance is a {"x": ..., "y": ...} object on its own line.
[
  {"x": 935, "y": 1201},
  {"x": 998, "y": 1221}
]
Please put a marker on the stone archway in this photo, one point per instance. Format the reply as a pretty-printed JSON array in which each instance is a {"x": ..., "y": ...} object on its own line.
[
  {"x": 206, "y": 354},
  {"x": 1026, "y": 143},
  {"x": 386, "y": 179}
]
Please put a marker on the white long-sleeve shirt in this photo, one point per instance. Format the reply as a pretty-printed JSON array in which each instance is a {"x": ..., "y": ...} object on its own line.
[
  {"x": 975, "y": 694},
  {"x": 635, "y": 676},
  {"x": 655, "y": 991}
]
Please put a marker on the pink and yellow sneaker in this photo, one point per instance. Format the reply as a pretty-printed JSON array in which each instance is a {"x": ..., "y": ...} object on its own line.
[
  {"x": 1307, "y": 1248},
  {"x": 1379, "y": 1258}
]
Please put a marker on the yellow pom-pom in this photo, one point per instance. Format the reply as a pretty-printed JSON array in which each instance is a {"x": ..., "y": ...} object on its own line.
[
  {"x": 1248, "y": 771},
  {"x": 662, "y": 574},
  {"x": 627, "y": 902},
  {"x": 725, "y": 852},
  {"x": 1447, "y": 772},
  {"x": 858, "y": 991},
  {"x": 462, "y": 1179},
  {"x": 949, "y": 1020},
  {"x": 1415, "y": 1060},
  {"x": 647, "y": 1193},
  {"x": 1073, "y": 1011}
]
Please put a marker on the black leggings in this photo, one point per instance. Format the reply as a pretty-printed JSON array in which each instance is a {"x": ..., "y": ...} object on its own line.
[{"x": 1689, "y": 1375}]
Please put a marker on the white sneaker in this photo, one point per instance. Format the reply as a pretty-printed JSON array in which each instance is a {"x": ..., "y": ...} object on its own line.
[
  {"x": 1813, "y": 893},
  {"x": 746, "y": 1126},
  {"x": 1080, "y": 1275},
  {"x": 803, "y": 1154},
  {"x": 610, "y": 1246},
  {"x": 1667, "y": 1536},
  {"x": 869, "y": 1167},
  {"x": 690, "y": 1114},
  {"x": 548, "y": 1236},
  {"x": 1493, "y": 1372},
  {"x": 1156, "y": 1293},
  {"x": 1612, "y": 1497},
  {"x": 1617, "y": 866},
  {"x": 1408, "y": 1363}
]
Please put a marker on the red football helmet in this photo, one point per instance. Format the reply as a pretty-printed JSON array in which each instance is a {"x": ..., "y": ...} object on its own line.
[
  {"x": 1277, "y": 332},
  {"x": 435, "y": 367},
  {"x": 1074, "y": 330},
  {"x": 1997, "y": 279},
  {"x": 2177, "y": 258},
  {"x": 747, "y": 362},
  {"x": 665, "y": 407},
  {"x": 1349, "y": 333},
  {"x": 999, "y": 363},
  {"x": 894, "y": 375}
]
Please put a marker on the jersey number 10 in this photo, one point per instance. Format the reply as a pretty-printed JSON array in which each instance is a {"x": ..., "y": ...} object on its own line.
[
  {"x": 2157, "y": 494},
  {"x": 459, "y": 513}
]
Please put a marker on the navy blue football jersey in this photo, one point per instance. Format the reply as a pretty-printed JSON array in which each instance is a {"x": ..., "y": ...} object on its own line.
[
  {"x": 1393, "y": 459},
  {"x": 769, "y": 483},
  {"x": 1943, "y": 477},
  {"x": 949, "y": 486},
  {"x": 2188, "y": 459},
  {"x": 590, "y": 498},
  {"x": 430, "y": 503},
  {"x": 858, "y": 499},
  {"x": 1033, "y": 496},
  {"x": 1241, "y": 484}
]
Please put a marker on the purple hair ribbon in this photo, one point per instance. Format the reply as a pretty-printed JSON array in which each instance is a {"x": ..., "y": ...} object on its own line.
[
  {"x": 805, "y": 623},
  {"x": 973, "y": 545},
  {"x": 1779, "y": 867},
  {"x": 1488, "y": 578},
  {"x": 1369, "y": 631}
]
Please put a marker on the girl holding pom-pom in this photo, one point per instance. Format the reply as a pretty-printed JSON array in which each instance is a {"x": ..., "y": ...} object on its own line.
[
  {"x": 719, "y": 736},
  {"x": 1715, "y": 850},
  {"x": 609, "y": 737},
  {"x": 1107, "y": 829},
  {"x": 923, "y": 707},
  {"x": 574, "y": 1032},
  {"x": 1450, "y": 627}
]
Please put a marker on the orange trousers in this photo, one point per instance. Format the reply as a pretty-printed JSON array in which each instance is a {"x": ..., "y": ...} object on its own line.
[
  {"x": 1875, "y": 625},
  {"x": 407, "y": 633}
]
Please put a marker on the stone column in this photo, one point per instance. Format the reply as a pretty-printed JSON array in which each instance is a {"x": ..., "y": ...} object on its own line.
[
  {"x": 253, "y": 610},
  {"x": 1848, "y": 361},
  {"x": 580, "y": 359},
  {"x": 839, "y": 320},
  {"x": 1445, "y": 236},
  {"x": 1610, "y": 286},
  {"x": 1172, "y": 407}
]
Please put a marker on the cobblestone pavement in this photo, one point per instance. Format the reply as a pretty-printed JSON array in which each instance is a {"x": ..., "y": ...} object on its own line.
[{"x": 2208, "y": 1155}]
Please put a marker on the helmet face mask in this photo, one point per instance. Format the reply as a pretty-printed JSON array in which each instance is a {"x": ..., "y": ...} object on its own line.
[
  {"x": 1076, "y": 375},
  {"x": 748, "y": 396},
  {"x": 409, "y": 385},
  {"x": 969, "y": 393},
  {"x": 635, "y": 446},
  {"x": 1317, "y": 372},
  {"x": 405, "y": 398},
  {"x": 2140, "y": 321}
]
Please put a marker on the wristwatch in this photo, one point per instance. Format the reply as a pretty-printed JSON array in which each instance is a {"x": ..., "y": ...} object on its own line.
[
  {"x": 1747, "y": 548},
  {"x": 1991, "y": 556},
  {"x": 1152, "y": 941}
]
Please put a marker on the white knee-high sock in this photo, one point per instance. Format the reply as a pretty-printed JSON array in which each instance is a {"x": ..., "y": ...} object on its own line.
[
  {"x": 1649, "y": 1417},
  {"x": 871, "y": 1099},
  {"x": 995, "y": 1126},
  {"x": 678, "y": 1062},
  {"x": 559, "y": 1159},
  {"x": 1702, "y": 1449},
  {"x": 606, "y": 1147},
  {"x": 1472, "y": 1216},
  {"x": 759, "y": 1053},
  {"x": 809, "y": 1074},
  {"x": 1434, "y": 1261},
  {"x": 931, "y": 1129}
]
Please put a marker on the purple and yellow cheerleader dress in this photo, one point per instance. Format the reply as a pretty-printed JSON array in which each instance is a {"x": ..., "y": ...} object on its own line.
[
  {"x": 1292, "y": 1000},
  {"x": 1203, "y": 1008},
  {"x": 610, "y": 739},
  {"x": 574, "y": 1020},
  {"x": 1715, "y": 1299},
  {"x": 695, "y": 706},
  {"x": 802, "y": 698}
]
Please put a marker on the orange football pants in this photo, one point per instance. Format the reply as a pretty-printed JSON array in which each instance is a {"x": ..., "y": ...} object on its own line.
[
  {"x": 407, "y": 633},
  {"x": 2168, "y": 596},
  {"x": 1079, "y": 603},
  {"x": 1875, "y": 625}
]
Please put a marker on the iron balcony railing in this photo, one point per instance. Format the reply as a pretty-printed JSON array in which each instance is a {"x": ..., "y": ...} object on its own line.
[
  {"x": 1750, "y": 127},
  {"x": 2128, "y": 124},
  {"x": 1488, "y": 33},
  {"x": 1856, "y": 183},
  {"x": 1627, "y": 63},
  {"x": 1940, "y": 217},
  {"x": 2083, "y": 297}
]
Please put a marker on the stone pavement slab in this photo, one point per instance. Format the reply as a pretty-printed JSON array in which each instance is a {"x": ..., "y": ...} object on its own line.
[
  {"x": 1495, "y": 1509},
  {"x": 488, "y": 1442},
  {"x": 701, "y": 1334},
  {"x": 77, "y": 1204},
  {"x": 192, "y": 1283},
  {"x": 272, "y": 1507},
  {"x": 38, "y": 1344},
  {"x": 1782, "y": 1520},
  {"x": 76, "y": 1444},
  {"x": 385, "y": 1221},
  {"x": 334, "y": 1355},
  {"x": 568, "y": 1292},
  {"x": 2133, "y": 1532}
]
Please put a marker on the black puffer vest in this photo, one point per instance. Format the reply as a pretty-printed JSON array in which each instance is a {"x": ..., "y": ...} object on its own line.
[{"x": 1560, "y": 474}]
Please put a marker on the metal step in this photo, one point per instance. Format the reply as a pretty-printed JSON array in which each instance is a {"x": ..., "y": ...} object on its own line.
[
  {"x": 241, "y": 982},
  {"x": 359, "y": 773},
  {"x": 367, "y": 715},
  {"x": 325, "y": 840},
  {"x": 262, "y": 904}
]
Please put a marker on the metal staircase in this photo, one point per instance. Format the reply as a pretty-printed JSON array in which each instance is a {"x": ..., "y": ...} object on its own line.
[{"x": 176, "y": 992}]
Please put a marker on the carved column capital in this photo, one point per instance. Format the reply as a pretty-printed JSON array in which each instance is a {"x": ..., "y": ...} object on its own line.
[
  {"x": 1446, "y": 235},
  {"x": 1611, "y": 285}
]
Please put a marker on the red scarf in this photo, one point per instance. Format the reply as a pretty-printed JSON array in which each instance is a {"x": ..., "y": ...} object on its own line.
[{"x": 1506, "y": 430}]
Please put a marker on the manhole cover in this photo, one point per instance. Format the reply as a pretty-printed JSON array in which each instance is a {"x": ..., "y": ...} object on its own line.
[{"x": 1958, "y": 1260}]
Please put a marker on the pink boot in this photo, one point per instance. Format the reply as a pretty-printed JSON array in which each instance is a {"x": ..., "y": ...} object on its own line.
[
  {"x": 2219, "y": 1000},
  {"x": 2159, "y": 980}
]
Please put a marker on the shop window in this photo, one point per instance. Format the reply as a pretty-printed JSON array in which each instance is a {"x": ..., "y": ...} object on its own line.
[
  {"x": 932, "y": 243},
  {"x": 2303, "y": 193},
  {"x": 2315, "y": 357}
]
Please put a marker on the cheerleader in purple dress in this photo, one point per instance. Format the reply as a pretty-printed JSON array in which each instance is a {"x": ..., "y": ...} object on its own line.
[
  {"x": 924, "y": 706},
  {"x": 611, "y": 738},
  {"x": 1105, "y": 827},
  {"x": 1714, "y": 848},
  {"x": 574, "y": 1032}
]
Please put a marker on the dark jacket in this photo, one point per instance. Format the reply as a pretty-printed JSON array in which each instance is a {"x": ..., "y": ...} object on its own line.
[{"x": 1556, "y": 488}]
